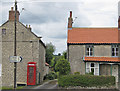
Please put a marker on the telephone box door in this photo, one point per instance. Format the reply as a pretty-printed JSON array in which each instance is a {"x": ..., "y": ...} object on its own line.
[{"x": 31, "y": 73}]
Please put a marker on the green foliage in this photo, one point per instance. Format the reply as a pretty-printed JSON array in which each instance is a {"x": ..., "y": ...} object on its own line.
[
  {"x": 85, "y": 80},
  {"x": 52, "y": 75},
  {"x": 50, "y": 49},
  {"x": 92, "y": 71},
  {"x": 52, "y": 62},
  {"x": 62, "y": 66},
  {"x": 65, "y": 54},
  {"x": 76, "y": 73}
]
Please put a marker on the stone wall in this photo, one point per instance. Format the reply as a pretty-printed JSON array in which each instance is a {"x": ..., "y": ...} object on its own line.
[
  {"x": 42, "y": 61},
  {"x": 102, "y": 50},
  {"x": 76, "y": 53},
  {"x": 28, "y": 47}
]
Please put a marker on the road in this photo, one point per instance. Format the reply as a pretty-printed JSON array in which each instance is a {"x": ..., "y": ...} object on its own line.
[
  {"x": 52, "y": 85},
  {"x": 48, "y": 85}
]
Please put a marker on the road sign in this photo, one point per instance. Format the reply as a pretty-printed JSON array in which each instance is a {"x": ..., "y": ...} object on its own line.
[{"x": 15, "y": 59}]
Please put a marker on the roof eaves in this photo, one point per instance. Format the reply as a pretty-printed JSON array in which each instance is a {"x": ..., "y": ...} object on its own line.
[
  {"x": 91, "y": 43},
  {"x": 4, "y": 23},
  {"x": 42, "y": 44},
  {"x": 102, "y": 61},
  {"x": 94, "y": 27}
]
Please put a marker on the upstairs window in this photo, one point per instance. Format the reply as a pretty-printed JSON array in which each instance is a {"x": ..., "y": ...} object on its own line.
[
  {"x": 4, "y": 31},
  {"x": 115, "y": 50},
  {"x": 89, "y": 50}
]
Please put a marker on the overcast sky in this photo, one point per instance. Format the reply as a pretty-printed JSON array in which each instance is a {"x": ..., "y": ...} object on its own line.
[{"x": 49, "y": 18}]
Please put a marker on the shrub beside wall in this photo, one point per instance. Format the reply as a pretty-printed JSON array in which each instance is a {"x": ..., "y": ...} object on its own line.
[
  {"x": 52, "y": 75},
  {"x": 85, "y": 80}
]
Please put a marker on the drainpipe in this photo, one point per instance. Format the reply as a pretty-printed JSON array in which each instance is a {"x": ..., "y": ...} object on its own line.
[
  {"x": 85, "y": 67},
  {"x": 68, "y": 52}
]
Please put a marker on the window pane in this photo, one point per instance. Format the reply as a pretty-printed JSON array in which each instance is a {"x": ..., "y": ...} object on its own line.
[
  {"x": 116, "y": 49},
  {"x": 91, "y": 53},
  {"x": 87, "y": 53},
  {"x": 112, "y": 49},
  {"x": 92, "y": 64},
  {"x": 116, "y": 54},
  {"x": 113, "y": 54},
  {"x": 91, "y": 49},
  {"x": 87, "y": 49}
]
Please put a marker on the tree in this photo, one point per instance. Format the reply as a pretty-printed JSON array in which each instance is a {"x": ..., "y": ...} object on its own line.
[
  {"x": 64, "y": 54},
  {"x": 50, "y": 49},
  {"x": 62, "y": 66}
]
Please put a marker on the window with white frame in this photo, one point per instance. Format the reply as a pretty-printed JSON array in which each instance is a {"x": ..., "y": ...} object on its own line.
[
  {"x": 89, "y": 50},
  {"x": 92, "y": 68},
  {"x": 115, "y": 50}
]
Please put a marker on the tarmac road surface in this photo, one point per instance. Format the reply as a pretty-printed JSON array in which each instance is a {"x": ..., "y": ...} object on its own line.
[{"x": 53, "y": 86}]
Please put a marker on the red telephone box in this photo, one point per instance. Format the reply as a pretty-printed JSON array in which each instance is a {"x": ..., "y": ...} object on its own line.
[{"x": 31, "y": 73}]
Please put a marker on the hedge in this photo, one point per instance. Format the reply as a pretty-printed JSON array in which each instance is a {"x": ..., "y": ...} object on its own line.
[{"x": 86, "y": 80}]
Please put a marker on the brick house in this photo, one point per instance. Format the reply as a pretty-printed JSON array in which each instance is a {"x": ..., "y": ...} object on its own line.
[
  {"x": 94, "y": 50},
  {"x": 29, "y": 46}
]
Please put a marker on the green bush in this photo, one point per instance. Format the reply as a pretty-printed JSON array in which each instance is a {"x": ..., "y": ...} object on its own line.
[
  {"x": 76, "y": 73},
  {"x": 62, "y": 66},
  {"x": 52, "y": 75},
  {"x": 91, "y": 73},
  {"x": 86, "y": 80}
]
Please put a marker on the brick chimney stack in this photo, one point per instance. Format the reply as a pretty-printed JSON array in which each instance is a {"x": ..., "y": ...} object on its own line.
[
  {"x": 12, "y": 15},
  {"x": 119, "y": 22},
  {"x": 70, "y": 20}
]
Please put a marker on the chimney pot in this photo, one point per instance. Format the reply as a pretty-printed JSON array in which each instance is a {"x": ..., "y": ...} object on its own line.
[
  {"x": 26, "y": 25},
  {"x": 71, "y": 14},
  {"x": 12, "y": 8},
  {"x": 29, "y": 26},
  {"x": 119, "y": 22}
]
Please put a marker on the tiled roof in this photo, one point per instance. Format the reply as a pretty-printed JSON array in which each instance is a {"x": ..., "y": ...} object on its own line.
[
  {"x": 101, "y": 59},
  {"x": 93, "y": 35}
]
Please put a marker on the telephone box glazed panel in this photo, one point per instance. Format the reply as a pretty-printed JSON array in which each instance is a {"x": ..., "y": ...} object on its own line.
[{"x": 31, "y": 73}]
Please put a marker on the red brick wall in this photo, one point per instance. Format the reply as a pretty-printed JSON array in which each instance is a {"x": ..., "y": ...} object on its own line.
[{"x": 12, "y": 15}]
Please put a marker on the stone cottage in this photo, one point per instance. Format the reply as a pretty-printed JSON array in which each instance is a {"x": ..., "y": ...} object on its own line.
[
  {"x": 29, "y": 46},
  {"x": 94, "y": 50}
]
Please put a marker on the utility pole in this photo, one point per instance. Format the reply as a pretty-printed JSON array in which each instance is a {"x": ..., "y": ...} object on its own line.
[{"x": 15, "y": 54}]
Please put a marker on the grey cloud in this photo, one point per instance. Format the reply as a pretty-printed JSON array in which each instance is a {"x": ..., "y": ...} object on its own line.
[
  {"x": 46, "y": 12},
  {"x": 49, "y": 20},
  {"x": 59, "y": 36}
]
